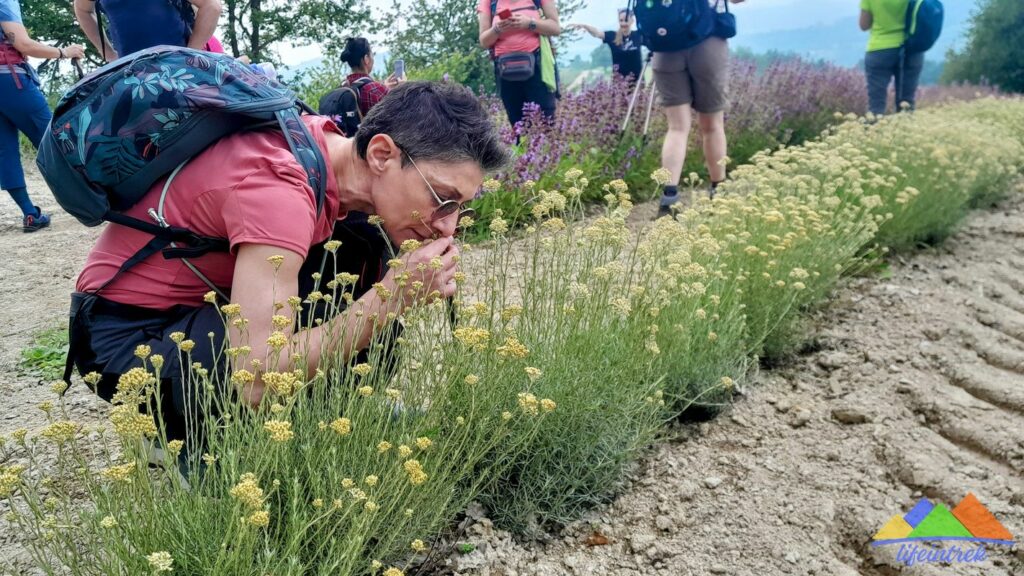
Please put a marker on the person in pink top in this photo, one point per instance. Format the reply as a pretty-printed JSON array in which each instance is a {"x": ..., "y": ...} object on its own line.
[
  {"x": 516, "y": 38},
  {"x": 419, "y": 156}
]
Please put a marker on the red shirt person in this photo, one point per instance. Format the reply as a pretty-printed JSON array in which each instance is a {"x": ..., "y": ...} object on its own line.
[{"x": 359, "y": 57}]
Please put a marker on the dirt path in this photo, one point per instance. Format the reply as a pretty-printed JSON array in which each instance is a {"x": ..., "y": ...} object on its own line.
[{"x": 917, "y": 388}]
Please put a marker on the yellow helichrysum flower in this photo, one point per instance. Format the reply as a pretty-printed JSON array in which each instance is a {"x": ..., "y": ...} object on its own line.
[
  {"x": 506, "y": 416},
  {"x": 279, "y": 430},
  {"x": 61, "y": 431},
  {"x": 415, "y": 472},
  {"x": 186, "y": 346},
  {"x": 383, "y": 446},
  {"x": 393, "y": 572},
  {"x": 342, "y": 426},
  {"x": 404, "y": 451},
  {"x": 371, "y": 506},
  {"x": 130, "y": 424},
  {"x": 121, "y": 473},
  {"x": 548, "y": 405},
  {"x": 424, "y": 443},
  {"x": 661, "y": 176},
  {"x": 362, "y": 369},
  {"x": 498, "y": 226},
  {"x": 108, "y": 522},
  {"x": 513, "y": 348},
  {"x": 160, "y": 561},
  {"x": 277, "y": 340},
  {"x": 491, "y": 185},
  {"x": 276, "y": 260},
  {"x": 348, "y": 483},
  {"x": 727, "y": 383},
  {"x": 332, "y": 245},
  {"x": 143, "y": 351},
  {"x": 418, "y": 545},
  {"x": 248, "y": 492},
  {"x": 375, "y": 220},
  {"x": 371, "y": 480},
  {"x": 472, "y": 379},
  {"x": 210, "y": 297},
  {"x": 231, "y": 310},
  {"x": 365, "y": 391},
  {"x": 259, "y": 519},
  {"x": 528, "y": 403},
  {"x": 392, "y": 394},
  {"x": 533, "y": 373}
]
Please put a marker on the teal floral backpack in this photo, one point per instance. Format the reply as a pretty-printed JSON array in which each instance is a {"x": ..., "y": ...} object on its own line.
[{"x": 136, "y": 120}]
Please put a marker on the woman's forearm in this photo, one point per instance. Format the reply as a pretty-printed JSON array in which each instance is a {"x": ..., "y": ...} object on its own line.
[{"x": 548, "y": 27}]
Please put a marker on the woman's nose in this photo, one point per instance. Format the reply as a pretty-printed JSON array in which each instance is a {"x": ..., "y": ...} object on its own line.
[{"x": 446, "y": 226}]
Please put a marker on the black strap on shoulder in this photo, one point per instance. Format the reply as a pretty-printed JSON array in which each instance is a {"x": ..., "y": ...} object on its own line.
[{"x": 196, "y": 244}]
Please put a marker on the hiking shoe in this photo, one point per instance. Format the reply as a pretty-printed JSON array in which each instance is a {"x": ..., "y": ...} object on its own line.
[
  {"x": 37, "y": 222},
  {"x": 665, "y": 207}
]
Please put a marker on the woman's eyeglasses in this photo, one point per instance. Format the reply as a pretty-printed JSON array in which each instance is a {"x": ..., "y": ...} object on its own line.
[{"x": 445, "y": 208}]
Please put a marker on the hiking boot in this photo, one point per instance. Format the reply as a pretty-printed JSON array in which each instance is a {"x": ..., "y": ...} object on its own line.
[
  {"x": 34, "y": 223},
  {"x": 666, "y": 205}
]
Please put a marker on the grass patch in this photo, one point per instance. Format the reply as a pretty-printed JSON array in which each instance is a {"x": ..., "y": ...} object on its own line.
[{"x": 46, "y": 355}]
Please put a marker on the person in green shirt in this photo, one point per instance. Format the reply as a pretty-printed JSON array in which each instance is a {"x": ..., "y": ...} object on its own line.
[{"x": 885, "y": 21}]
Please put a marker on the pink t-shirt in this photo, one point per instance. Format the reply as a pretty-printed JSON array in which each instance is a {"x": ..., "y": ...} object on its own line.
[
  {"x": 513, "y": 40},
  {"x": 247, "y": 188}
]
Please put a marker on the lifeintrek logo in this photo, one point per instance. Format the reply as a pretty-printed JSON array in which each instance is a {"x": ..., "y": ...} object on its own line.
[{"x": 970, "y": 525}]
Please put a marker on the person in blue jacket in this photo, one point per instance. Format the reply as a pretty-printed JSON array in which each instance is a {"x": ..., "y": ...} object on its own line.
[{"x": 23, "y": 108}]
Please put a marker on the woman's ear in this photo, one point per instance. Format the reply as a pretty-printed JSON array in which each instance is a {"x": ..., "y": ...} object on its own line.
[{"x": 380, "y": 151}]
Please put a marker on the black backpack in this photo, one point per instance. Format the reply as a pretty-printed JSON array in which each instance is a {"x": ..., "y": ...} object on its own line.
[{"x": 342, "y": 105}]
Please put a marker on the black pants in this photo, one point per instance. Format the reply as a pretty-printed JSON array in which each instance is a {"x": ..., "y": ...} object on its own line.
[
  {"x": 515, "y": 95},
  {"x": 104, "y": 334},
  {"x": 881, "y": 67}
]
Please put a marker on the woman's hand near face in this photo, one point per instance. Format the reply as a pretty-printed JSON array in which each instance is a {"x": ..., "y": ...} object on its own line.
[{"x": 431, "y": 268}]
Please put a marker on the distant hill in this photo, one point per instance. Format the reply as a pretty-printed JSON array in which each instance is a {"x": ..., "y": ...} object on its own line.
[{"x": 842, "y": 42}]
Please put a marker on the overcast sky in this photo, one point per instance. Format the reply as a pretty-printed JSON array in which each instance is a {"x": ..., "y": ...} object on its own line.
[{"x": 753, "y": 16}]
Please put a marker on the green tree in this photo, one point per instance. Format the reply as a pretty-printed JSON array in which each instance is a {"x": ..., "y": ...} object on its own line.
[
  {"x": 994, "y": 49},
  {"x": 436, "y": 37},
  {"x": 53, "y": 22},
  {"x": 254, "y": 27}
]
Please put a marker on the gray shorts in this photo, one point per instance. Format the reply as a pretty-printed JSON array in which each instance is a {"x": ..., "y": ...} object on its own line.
[{"x": 697, "y": 76}]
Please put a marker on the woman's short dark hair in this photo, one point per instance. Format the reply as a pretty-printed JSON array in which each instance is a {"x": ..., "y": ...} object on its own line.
[
  {"x": 436, "y": 121},
  {"x": 355, "y": 50}
]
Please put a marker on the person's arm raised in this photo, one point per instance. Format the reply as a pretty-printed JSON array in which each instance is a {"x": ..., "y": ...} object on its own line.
[
  {"x": 207, "y": 15},
  {"x": 17, "y": 36},
  {"x": 257, "y": 285}
]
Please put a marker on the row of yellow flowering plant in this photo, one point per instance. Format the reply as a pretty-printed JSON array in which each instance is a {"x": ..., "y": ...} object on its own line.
[{"x": 565, "y": 351}]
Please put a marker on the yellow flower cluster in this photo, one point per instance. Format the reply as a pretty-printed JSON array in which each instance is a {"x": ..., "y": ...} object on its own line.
[
  {"x": 473, "y": 337},
  {"x": 342, "y": 426},
  {"x": 61, "y": 432},
  {"x": 415, "y": 471},
  {"x": 122, "y": 473},
  {"x": 279, "y": 430},
  {"x": 160, "y": 561},
  {"x": 10, "y": 479},
  {"x": 248, "y": 492},
  {"x": 513, "y": 348}
]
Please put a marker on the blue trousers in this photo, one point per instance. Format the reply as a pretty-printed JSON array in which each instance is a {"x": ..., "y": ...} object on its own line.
[
  {"x": 881, "y": 67},
  {"x": 24, "y": 110}
]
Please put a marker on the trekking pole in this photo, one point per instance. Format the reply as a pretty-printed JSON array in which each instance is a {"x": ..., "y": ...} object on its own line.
[
  {"x": 78, "y": 67},
  {"x": 647, "y": 121},
  {"x": 636, "y": 93}
]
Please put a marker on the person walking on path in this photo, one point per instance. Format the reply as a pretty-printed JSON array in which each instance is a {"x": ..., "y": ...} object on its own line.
[
  {"x": 886, "y": 22},
  {"x": 512, "y": 30},
  {"x": 624, "y": 43},
  {"x": 694, "y": 79},
  {"x": 23, "y": 108}
]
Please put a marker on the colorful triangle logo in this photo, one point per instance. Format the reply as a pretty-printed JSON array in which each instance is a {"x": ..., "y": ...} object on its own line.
[{"x": 970, "y": 520}]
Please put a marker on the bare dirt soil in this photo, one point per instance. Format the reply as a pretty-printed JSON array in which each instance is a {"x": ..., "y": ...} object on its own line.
[{"x": 914, "y": 387}]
